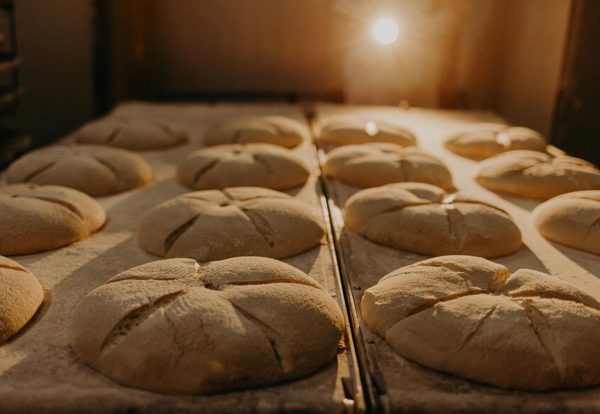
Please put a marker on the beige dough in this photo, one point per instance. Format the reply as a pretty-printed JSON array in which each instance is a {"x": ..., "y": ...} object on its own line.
[
  {"x": 244, "y": 221},
  {"x": 274, "y": 130},
  {"x": 20, "y": 297},
  {"x": 260, "y": 165},
  {"x": 37, "y": 218},
  {"x": 487, "y": 140},
  {"x": 372, "y": 165},
  {"x": 571, "y": 219},
  {"x": 536, "y": 175},
  {"x": 470, "y": 317},
  {"x": 354, "y": 129},
  {"x": 132, "y": 134},
  {"x": 422, "y": 218},
  {"x": 175, "y": 326},
  {"x": 94, "y": 169}
]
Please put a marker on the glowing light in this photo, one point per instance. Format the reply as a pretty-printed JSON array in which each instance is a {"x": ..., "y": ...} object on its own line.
[
  {"x": 371, "y": 128},
  {"x": 385, "y": 30},
  {"x": 503, "y": 139}
]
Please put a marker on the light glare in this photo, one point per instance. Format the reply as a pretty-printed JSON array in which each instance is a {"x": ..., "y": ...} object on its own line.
[
  {"x": 371, "y": 128},
  {"x": 385, "y": 30}
]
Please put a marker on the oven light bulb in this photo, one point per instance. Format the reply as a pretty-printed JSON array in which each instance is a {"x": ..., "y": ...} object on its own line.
[{"x": 386, "y": 31}]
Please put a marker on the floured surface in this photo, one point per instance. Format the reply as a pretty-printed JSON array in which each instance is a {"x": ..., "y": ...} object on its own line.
[
  {"x": 39, "y": 370},
  {"x": 405, "y": 386}
]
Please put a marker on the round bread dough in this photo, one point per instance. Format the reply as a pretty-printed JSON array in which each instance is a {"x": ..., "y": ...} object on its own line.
[
  {"x": 37, "y": 218},
  {"x": 94, "y": 169},
  {"x": 487, "y": 140},
  {"x": 132, "y": 134},
  {"x": 261, "y": 165},
  {"x": 422, "y": 218},
  {"x": 243, "y": 221},
  {"x": 571, "y": 219},
  {"x": 175, "y": 326},
  {"x": 372, "y": 165},
  {"x": 20, "y": 297},
  {"x": 472, "y": 318},
  {"x": 353, "y": 129},
  {"x": 274, "y": 130},
  {"x": 536, "y": 175}
]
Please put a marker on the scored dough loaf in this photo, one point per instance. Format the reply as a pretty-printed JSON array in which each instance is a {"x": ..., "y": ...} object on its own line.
[
  {"x": 536, "y": 175},
  {"x": 175, "y": 326},
  {"x": 571, "y": 219},
  {"x": 472, "y": 318},
  {"x": 94, "y": 169},
  {"x": 356, "y": 129},
  {"x": 37, "y": 218},
  {"x": 422, "y": 218},
  {"x": 236, "y": 165},
  {"x": 20, "y": 297},
  {"x": 271, "y": 129},
  {"x": 132, "y": 134},
  {"x": 487, "y": 140},
  {"x": 372, "y": 165},
  {"x": 244, "y": 221}
]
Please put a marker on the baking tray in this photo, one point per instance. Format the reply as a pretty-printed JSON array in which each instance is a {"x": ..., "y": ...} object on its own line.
[
  {"x": 391, "y": 382},
  {"x": 39, "y": 371}
]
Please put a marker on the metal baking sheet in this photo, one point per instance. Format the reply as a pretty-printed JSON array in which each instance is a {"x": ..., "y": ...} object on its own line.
[
  {"x": 394, "y": 384},
  {"x": 40, "y": 373}
]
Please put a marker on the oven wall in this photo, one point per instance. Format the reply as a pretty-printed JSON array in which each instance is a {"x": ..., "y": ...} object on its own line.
[
  {"x": 55, "y": 42},
  {"x": 502, "y": 55}
]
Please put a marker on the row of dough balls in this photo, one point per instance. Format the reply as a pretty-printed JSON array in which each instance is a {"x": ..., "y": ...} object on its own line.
[
  {"x": 472, "y": 318},
  {"x": 144, "y": 134},
  {"x": 99, "y": 170},
  {"x": 522, "y": 173},
  {"x": 218, "y": 326},
  {"x": 518, "y": 162},
  {"x": 205, "y": 225},
  {"x": 405, "y": 215}
]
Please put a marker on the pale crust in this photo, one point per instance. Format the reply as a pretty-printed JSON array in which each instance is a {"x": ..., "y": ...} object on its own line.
[
  {"x": 261, "y": 165},
  {"x": 20, "y": 297},
  {"x": 572, "y": 219},
  {"x": 536, "y": 175},
  {"x": 243, "y": 221},
  {"x": 472, "y": 318},
  {"x": 272, "y": 129},
  {"x": 487, "y": 140},
  {"x": 132, "y": 134},
  {"x": 37, "y": 218},
  {"x": 353, "y": 129},
  {"x": 175, "y": 326},
  {"x": 94, "y": 169},
  {"x": 372, "y": 165},
  {"x": 424, "y": 219}
]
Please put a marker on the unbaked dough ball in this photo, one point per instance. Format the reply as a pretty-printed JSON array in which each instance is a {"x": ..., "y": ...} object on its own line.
[
  {"x": 260, "y": 165},
  {"x": 274, "y": 130},
  {"x": 571, "y": 219},
  {"x": 37, "y": 218},
  {"x": 20, "y": 297},
  {"x": 176, "y": 326},
  {"x": 487, "y": 140},
  {"x": 356, "y": 129},
  {"x": 94, "y": 169},
  {"x": 372, "y": 165},
  {"x": 472, "y": 318},
  {"x": 244, "y": 221},
  {"x": 536, "y": 175},
  {"x": 132, "y": 134},
  {"x": 422, "y": 218}
]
